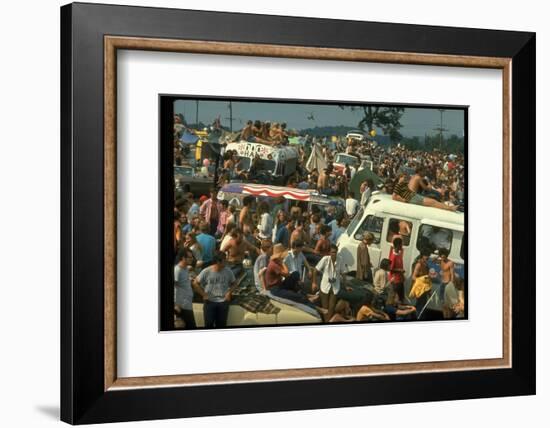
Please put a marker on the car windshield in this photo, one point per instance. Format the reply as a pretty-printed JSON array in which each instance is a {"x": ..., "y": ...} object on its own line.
[
  {"x": 182, "y": 170},
  {"x": 346, "y": 159},
  {"x": 266, "y": 165}
]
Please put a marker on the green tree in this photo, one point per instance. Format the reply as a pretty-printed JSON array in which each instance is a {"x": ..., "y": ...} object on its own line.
[
  {"x": 388, "y": 119},
  {"x": 412, "y": 143}
]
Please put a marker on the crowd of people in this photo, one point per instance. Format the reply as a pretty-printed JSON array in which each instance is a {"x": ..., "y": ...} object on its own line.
[{"x": 293, "y": 251}]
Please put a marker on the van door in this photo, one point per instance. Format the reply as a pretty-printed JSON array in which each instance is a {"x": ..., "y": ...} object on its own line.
[
  {"x": 400, "y": 227},
  {"x": 373, "y": 224},
  {"x": 433, "y": 237}
]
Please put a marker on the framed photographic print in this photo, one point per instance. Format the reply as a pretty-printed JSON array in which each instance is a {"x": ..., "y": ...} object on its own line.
[{"x": 254, "y": 208}]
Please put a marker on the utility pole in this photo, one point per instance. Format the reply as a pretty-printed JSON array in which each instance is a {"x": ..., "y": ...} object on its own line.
[
  {"x": 440, "y": 129},
  {"x": 232, "y": 119},
  {"x": 230, "y": 116},
  {"x": 197, "y": 114}
]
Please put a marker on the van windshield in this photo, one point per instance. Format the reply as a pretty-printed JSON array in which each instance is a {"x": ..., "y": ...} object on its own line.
[
  {"x": 245, "y": 163},
  {"x": 346, "y": 159},
  {"x": 266, "y": 165},
  {"x": 355, "y": 222}
]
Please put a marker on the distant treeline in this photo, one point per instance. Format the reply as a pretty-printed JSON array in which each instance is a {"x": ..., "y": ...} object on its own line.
[
  {"x": 449, "y": 144},
  {"x": 324, "y": 131}
]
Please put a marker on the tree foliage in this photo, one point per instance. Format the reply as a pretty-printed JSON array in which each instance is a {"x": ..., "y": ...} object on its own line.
[
  {"x": 388, "y": 119},
  {"x": 450, "y": 144}
]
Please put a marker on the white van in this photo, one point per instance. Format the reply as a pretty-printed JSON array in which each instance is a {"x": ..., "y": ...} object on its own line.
[
  {"x": 278, "y": 162},
  {"x": 427, "y": 227}
]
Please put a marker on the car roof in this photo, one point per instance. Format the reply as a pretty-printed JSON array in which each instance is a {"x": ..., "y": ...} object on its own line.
[{"x": 271, "y": 191}]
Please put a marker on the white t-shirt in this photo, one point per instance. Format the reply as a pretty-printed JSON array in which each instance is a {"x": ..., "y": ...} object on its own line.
[
  {"x": 351, "y": 206},
  {"x": 366, "y": 196},
  {"x": 380, "y": 280},
  {"x": 295, "y": 262},
  {"x": 266, "y": 226},
  {"x": 331, "y": 273},
  {"x": 225, "y": 240}
]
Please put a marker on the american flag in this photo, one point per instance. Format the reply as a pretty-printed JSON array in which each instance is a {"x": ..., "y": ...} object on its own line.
[{"x": 274, "y": 192}]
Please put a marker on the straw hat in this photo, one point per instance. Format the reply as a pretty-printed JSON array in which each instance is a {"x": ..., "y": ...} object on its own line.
[{"x": 279, "y": 252}]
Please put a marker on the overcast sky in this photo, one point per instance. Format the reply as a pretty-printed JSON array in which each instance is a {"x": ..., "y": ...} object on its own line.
[{"x": 415, "y": 121}]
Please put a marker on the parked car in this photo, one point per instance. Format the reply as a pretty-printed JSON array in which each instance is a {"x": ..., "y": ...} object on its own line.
[
  {"x": 276, "y": 164},
  {"x": 234, "y": 193},
  {"x": 343, "y": 159},
  {"x": 198, "y": 184}
]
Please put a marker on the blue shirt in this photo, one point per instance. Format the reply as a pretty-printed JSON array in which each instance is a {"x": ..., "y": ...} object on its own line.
[
  {"x": 208, "y": 244},
  {"x": 282, "y": 236},
  {"x": 295, "y": 262},
  {"x": 216, "y": 284},
  {"x": 193, "y": 211},
  {"x": 183, "y": 295},
  {"x": 336, "y": 231}
]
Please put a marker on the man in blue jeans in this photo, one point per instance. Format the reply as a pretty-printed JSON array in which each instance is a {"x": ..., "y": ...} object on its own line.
[{"x": 215, "y": 284}]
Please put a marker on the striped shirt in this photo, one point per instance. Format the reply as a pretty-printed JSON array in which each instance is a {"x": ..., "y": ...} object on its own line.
[{"x": 402, "y": 190}]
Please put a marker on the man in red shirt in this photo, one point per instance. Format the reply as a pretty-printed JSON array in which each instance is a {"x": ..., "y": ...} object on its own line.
[{"x": 397, "y": 273}]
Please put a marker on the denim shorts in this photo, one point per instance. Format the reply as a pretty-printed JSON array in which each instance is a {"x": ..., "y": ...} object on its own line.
[{"x": 417, "y": 200}]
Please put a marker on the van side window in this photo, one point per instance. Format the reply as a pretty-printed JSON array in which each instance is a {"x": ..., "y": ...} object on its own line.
[
  {"x": 462, "y": 247},
  {"x": 433, "y": 238},
  {"x": 399, "y": 228},
  {"x": 373, "y": 225}
]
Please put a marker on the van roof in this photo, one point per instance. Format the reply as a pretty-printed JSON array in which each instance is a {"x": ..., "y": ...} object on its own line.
[{"x": 384, "y": 203}]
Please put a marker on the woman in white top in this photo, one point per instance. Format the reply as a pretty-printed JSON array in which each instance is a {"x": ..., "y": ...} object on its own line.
[
  {"x": 381, "y": 277},
  {"x": 332, "y": 269},
  {"x": 265, "y": 227},
  {"x": 226, "y": 237}
]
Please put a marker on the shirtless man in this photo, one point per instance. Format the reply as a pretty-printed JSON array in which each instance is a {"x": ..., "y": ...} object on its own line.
[
  {"x": 403, "y": 193},
  {"x": 447, "y": 271},
  {"x": 416, "y": 183},
  {"x": 235, "y": 249},
  {"x": 247, "y": 134},
  {"x": 299, "y": 234},
  {"x": 322, "y": 181}
]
